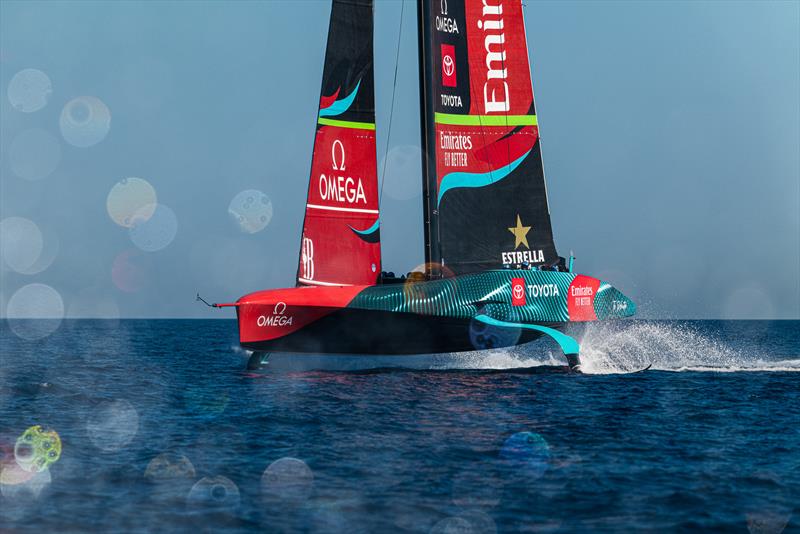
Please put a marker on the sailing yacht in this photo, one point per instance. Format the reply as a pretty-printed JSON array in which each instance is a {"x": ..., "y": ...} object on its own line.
[{"x": 492, "y": 275}]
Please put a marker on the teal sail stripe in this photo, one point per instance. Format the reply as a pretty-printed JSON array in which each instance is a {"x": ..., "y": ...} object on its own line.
[
  {"x": 340, "y": 106},
  {"x": 477, "y": 179},
  {"x": 567, "y": 344},
  {"x": 368, "y": 230}
]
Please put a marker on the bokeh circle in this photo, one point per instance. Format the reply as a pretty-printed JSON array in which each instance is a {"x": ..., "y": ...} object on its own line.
[
  {"x": 21, "y": 243},
  {"x": 113, "y": 425},
  {"x": 85, "y": 121},
  {"x": 129, "y": 198},
  {"x": 153, "y": 229},
  {"x": 29, "y": 90},
  {"x": 527, "y": 454},
  {"x": 288, "y": 480},
  {"x": 35, "y": 311},
  {"x": 214, "y": 494},
  {"x": 251, "y": 210},
  {"x": 34, "y": 154}
]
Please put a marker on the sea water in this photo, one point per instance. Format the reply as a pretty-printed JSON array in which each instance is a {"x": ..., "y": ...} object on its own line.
[{"x": 162, "y": 429}]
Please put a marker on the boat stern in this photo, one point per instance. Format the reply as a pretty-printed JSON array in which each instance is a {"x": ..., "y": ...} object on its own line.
[{"x": 266, "y": 316}]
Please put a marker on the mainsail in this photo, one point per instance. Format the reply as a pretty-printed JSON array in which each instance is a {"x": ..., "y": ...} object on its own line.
[
  {"x": 486, "y": 200},
  {"x": 341, "y": 232}
]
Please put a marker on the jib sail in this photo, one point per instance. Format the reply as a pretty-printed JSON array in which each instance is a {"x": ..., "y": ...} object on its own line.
[
  {"x": 486, "y": 199},
  {"x": 341, "y": 233}
]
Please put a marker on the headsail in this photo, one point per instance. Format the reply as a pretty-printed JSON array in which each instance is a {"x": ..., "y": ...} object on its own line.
[
  {"x": 341, "y": 232},
  {"x": 486, "y": 195}
]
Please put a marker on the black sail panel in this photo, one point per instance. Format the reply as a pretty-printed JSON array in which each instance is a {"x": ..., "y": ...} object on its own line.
[{"x": 487, "y": 199}]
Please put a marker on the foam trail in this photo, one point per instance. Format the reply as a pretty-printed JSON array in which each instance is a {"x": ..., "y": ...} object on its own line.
[
  {"x": 606, "y": 348},
  {"x": 626, "y": 346},
  {"x": 487, "y": 359}
]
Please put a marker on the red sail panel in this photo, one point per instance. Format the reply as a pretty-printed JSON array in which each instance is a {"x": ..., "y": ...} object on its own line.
[
  {"x": 489, "y": 207},
  {"x": 341, "y": 239},
  {"x": 341, "y": 233},
  {"x": 498, "y": 52}
]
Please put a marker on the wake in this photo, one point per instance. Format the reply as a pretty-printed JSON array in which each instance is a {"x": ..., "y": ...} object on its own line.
[
  {"x": 606, "y": 348},
  {"x": 626, "y": 346}
]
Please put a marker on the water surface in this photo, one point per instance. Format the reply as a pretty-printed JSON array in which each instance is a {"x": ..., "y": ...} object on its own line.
[{"x": 162, "y": 429}]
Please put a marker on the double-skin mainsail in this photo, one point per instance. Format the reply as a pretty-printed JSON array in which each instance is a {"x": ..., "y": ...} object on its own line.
[{"x": 486, "y": 200}]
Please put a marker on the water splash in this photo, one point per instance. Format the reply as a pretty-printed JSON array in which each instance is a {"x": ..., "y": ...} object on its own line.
[
  {"x": 614, "y": 347},
  {"x": 627, "y": 346}
]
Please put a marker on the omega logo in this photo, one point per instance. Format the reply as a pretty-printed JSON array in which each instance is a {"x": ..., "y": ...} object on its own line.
[
  {"x": 277, "y": 318},
  {"x": 333, "y": 155}
]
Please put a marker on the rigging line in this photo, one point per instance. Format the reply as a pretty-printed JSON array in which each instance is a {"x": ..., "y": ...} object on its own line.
[{"x": 391, "y": 109}]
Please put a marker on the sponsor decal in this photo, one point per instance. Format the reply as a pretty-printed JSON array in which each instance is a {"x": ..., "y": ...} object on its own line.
[
  {"x": 452, "y": 101},
  {"x": 450, "y": 143},
  {"x": 307, "y": 258},
  {"x": 278, "y": 317},
  {"x": 523, "y": 256},
  {"x": 518, "y": 292},
  {"x": 443, "y": 22},
  {"x": 337, "y": 185},
  {"x": 543, "y": 290},
  {"x": 619, "y": 306},
  {"x": 495, "y": 88},
  {"x": 449, "y": 65},
  {"x": 520, "y": 232},
  {"x": 580, "y": 299}
]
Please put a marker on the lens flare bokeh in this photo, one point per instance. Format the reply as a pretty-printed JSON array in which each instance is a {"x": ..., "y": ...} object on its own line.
[
  {"x": 37, "y": 449},
  {"x": 216, "y": 493},
  {"x": 29, "y": 90},
  {"x": 402, "y": 166},
  {"x": 85, "y": 121},
  {"x": 153, "y": 229},
  {"x": 129, "y": 198},
  {"x": 527, "y": 454},
  {"x": 288, "y": 481},
  {"x": 169, "y": 465},
  {"x": 35, "y": 311},
  {"x": 34, "y": 154},
  {"x": 251, "y": 210},
  {"x": 113, "y": 425},
  {"x": 130, "y": 271},
  {"x": 485, "y": 336},
  {"x": 21, "y": 243}
]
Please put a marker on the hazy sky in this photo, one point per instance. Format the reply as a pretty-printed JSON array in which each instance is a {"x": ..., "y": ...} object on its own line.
[{"x": 671, "y": 140}]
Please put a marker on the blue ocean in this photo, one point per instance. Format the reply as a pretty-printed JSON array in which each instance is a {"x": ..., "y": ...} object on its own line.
[{"x": 155, "y": 425}]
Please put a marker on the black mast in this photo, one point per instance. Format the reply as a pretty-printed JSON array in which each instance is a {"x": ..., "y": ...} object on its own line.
[{"x": 427, "y": 145}]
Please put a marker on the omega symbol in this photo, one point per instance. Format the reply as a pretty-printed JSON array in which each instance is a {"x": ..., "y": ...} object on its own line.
[
  {"x": 443, "y": 5},
  {"x": 333, "y": 155},
  {"x": 279, "y": 308}
]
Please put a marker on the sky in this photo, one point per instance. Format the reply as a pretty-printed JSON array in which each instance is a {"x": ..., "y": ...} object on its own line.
[{"x": 670, "y": 135}]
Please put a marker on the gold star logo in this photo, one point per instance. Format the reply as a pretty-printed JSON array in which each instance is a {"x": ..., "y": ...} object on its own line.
[{"x": 520, "y": 234}]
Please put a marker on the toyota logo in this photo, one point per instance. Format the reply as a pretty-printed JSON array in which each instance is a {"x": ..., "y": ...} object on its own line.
[
  {"x": 519, "y": 291},
  {"x": 448, "y": 65}
]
